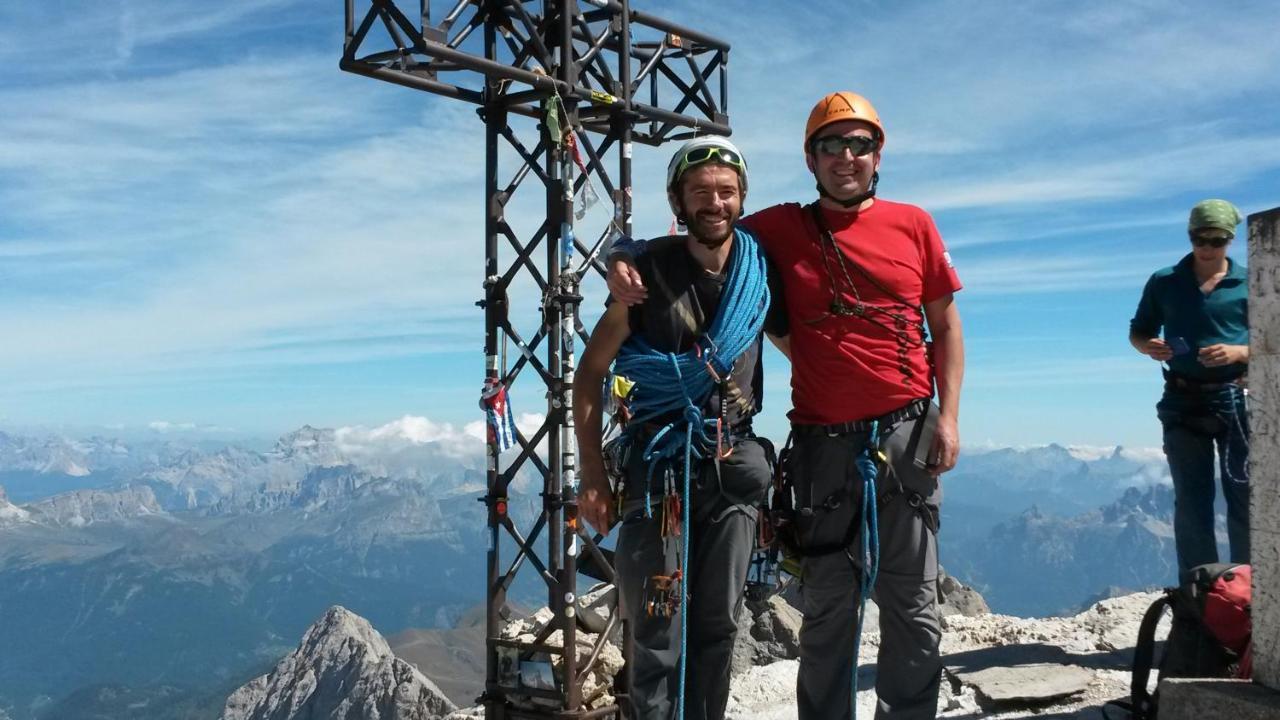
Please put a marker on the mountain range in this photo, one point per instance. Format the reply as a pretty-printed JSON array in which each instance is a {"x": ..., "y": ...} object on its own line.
[{"x": 174, "y": 571}]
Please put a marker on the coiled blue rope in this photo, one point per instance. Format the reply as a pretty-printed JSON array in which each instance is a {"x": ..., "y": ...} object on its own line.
[{"x": 682, "y": 383}]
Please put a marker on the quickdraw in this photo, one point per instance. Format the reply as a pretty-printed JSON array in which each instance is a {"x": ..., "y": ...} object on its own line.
[
  {"x": 670, "y": 523},
  {"x": 663, "y": 594}
]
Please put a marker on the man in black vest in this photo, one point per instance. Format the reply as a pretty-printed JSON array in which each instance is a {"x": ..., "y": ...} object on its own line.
[{"x": 696, "y": 280}]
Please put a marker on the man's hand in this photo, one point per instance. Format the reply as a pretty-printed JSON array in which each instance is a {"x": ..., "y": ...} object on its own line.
[
  {"x": 625, "y": 284},
  {"x": 1158, "y": 350},
  {"x": 595, "y": 500},
  {"x": 1220, "y": 355},
  {"x": 946, "y": 444}
]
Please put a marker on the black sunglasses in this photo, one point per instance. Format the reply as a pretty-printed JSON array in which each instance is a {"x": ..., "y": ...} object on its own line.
[
  {"x": 1215, "y": 241},
  {"x": 835, "y": 145}
]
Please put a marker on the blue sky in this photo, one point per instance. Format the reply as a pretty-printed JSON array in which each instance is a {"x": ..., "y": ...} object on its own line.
[{"x": 204, "y": 222}]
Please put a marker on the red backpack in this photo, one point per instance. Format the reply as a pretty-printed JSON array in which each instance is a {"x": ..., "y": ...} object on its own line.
[{"x": 1210, "y": 637}]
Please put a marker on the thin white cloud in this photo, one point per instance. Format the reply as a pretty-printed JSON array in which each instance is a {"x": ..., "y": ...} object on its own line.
[
  {"x": 107, "y": 34},
  {"x": 408, "y": 432},
  {"x": 291, "y": 231},
  {"x": 1061, "y": 272},
  {"x": 1014, "y": 228},
  {"x": 152, "y": 22},
  {"x": 164, "y": 426},
  {"x": 1153, "y": 174},
  {"x": 412, "y": 432}
]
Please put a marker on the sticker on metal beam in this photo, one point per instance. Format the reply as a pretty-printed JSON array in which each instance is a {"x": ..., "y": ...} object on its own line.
[{"x": 602, "y": 98}]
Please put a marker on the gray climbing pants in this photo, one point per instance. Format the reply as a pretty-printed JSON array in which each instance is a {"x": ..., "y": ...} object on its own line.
[
  {"x": 827, "y": 480},
  {"x": 723, "y": 535}
]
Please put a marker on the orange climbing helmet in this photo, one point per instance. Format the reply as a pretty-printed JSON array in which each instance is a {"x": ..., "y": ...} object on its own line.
[{"x": 840, "y": 106}]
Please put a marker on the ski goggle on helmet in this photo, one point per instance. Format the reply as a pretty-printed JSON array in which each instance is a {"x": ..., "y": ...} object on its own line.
[{"x": 701, "y": 151}]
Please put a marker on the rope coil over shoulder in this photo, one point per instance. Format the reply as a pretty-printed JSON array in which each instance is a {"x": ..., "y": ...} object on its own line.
[{"x": 681, "y": 383}]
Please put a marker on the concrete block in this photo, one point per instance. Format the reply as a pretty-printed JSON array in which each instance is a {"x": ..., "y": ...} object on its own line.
[
  {"x": 1264, "y": 452},
  {"x": 1193, "y": 699},
  {"x": 1264, "y": 283}
]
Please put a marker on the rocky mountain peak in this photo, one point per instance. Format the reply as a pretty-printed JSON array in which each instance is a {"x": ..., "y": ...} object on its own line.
[
  {"x": 86, "y": 507},
  {"x": 50, "y": 455},
  {"x": 1155, "y": 501},
  {"x": 310, "y": 444},
  {"x": 10, "y": 513},
  {"x": 342, "y": 670}
]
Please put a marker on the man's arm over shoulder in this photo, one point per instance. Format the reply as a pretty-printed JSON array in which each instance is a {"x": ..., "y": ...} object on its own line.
[
  {"x": 625, "y": 282},
  {"x": 595, "y": 497}
]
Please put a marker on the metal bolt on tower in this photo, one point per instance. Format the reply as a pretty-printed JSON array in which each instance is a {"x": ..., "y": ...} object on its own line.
[{"x": 564, "y": 88}]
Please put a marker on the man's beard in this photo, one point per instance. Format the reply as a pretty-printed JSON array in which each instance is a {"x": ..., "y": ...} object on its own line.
[{"x": 708, "y": 239}]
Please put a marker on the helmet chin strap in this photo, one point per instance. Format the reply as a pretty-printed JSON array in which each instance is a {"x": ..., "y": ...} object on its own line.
[{"x": 856, "y": 199}]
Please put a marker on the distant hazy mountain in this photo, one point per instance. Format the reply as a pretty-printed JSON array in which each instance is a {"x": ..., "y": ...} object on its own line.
[
  {"x": 33, "y": 468},
  {"x": 1062, "y": 480},
  {"x": 1038, "y": 564},
  {"x": 190, "y": 574},
  {"x": 180, "y": 569}
]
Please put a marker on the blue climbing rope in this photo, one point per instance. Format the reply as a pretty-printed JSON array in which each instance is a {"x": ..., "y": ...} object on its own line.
[
  {"x": 680, "y": 384},
  {"x": 868, "y": 465}
]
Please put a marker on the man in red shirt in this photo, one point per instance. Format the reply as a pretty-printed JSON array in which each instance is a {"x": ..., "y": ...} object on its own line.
[{"x": 863, "y": 279}]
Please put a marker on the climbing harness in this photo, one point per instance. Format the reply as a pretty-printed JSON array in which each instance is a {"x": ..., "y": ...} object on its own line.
[
  {"x": 870, "y": 461},
  {"x": 1218, "y": 408}
]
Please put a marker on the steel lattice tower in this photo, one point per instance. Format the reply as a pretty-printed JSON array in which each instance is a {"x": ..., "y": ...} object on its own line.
[{"x": 564, "y": 87}]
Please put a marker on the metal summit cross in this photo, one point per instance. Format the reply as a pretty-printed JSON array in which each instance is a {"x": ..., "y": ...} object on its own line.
[{"x": 579, "y": 81}]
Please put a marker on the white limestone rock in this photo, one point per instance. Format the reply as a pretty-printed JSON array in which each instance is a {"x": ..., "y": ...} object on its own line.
[{"x": 342, "y": 670}]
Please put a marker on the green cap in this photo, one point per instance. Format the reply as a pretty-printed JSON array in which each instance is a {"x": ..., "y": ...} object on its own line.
[{"x": 1218, "y": 214}]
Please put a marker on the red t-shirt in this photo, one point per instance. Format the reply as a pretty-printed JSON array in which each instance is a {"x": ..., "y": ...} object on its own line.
[{"x": 846, "y": 367}]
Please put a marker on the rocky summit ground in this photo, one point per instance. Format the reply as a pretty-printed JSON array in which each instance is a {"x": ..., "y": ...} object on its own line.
[{"x": 996, "y": 666}]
